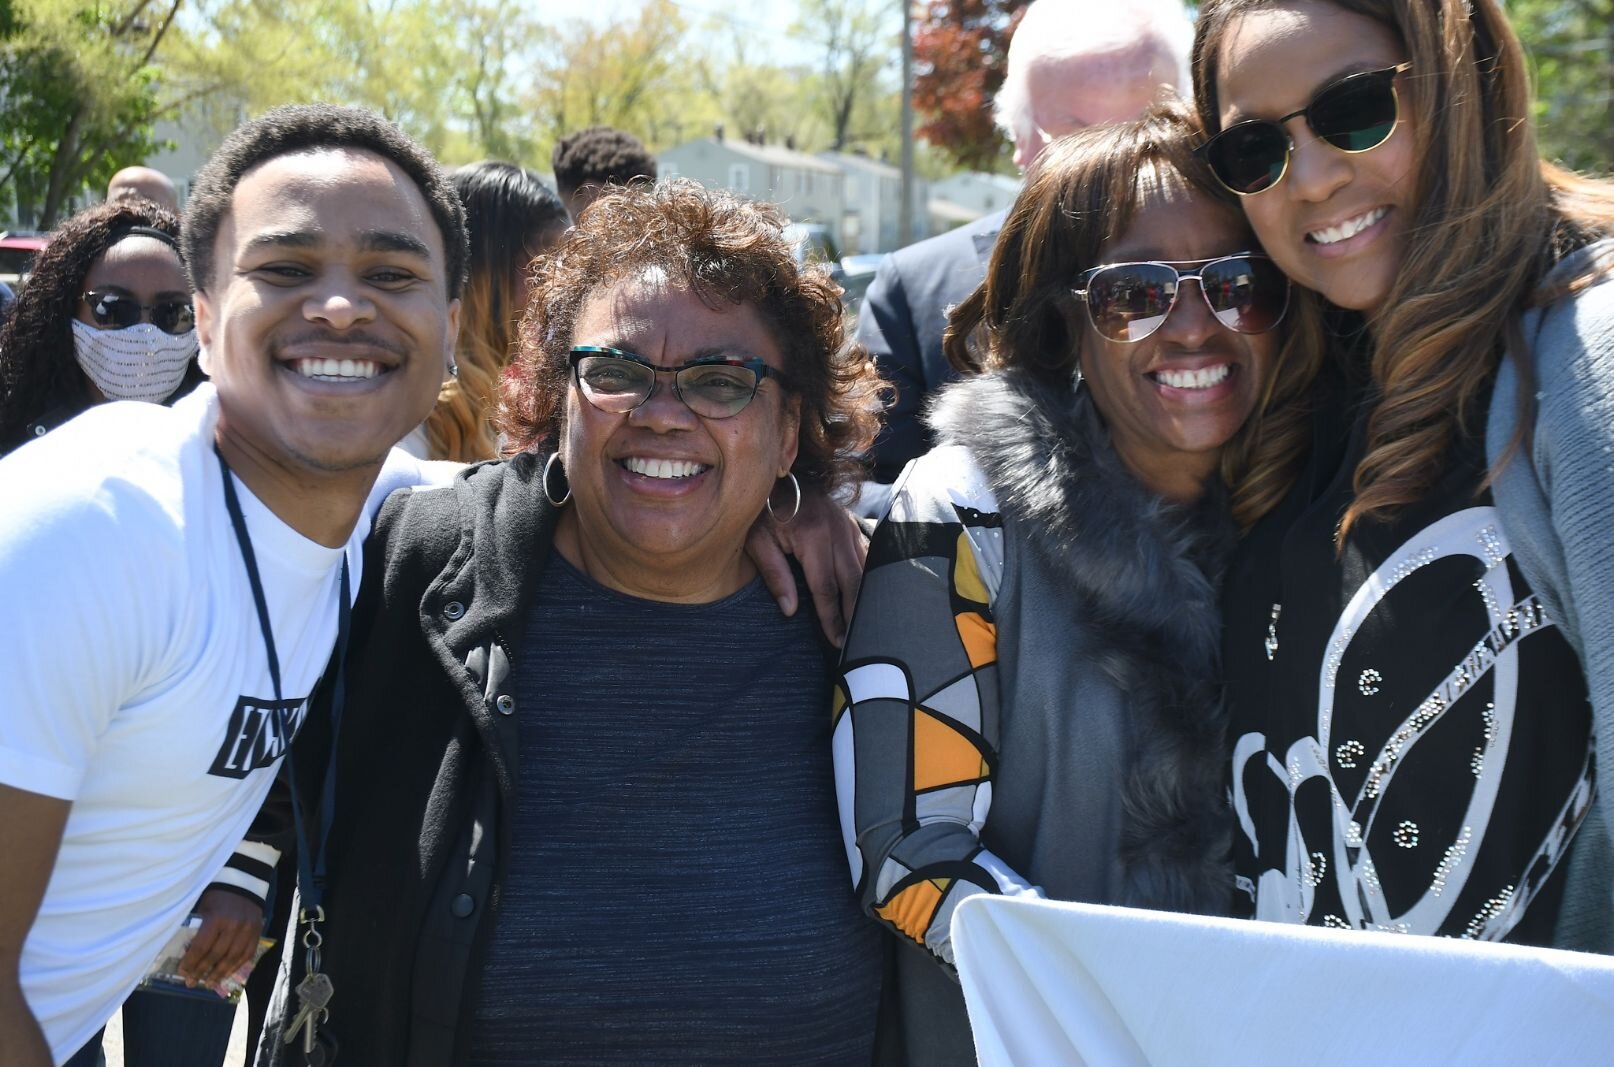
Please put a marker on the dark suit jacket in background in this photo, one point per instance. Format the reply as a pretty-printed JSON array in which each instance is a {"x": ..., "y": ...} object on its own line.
[{"x": 902, "y": 321}]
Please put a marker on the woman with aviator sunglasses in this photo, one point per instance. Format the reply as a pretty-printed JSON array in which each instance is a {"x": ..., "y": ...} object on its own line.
[
  {"x": 1029, "y": 697},
  {"x": 1420, "y": 638},
  {"x": 105, "y": 315}
]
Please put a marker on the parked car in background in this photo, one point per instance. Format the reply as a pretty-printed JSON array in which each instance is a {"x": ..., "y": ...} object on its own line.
[
  {"x": 17, "y": 254},
  {"x": 856, "y": 274},
  {"x": 814, "y": 244}
]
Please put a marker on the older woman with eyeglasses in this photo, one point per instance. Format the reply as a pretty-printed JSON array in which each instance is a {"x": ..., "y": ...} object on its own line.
[{"x": 584, "y": 806}]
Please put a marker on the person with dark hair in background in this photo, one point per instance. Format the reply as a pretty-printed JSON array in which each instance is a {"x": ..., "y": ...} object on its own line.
[
  {"x": 512, "y": 217},
  {"x": 186, "y": 569},
  {"x": 584, "y": 806},
  {"x": 106, "y": 315},
  {"x": 588, "y": 161}
]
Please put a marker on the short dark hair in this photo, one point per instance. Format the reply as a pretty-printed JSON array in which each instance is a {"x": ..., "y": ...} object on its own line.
[
  {"x": 601, "y": 155},
  {"x": 311, "y": 127}
]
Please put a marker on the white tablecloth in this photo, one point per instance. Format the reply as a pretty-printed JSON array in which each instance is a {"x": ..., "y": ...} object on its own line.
[{"x": 1051, "y": 983}]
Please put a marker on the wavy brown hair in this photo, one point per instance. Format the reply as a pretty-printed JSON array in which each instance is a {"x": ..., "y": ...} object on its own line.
[
  {"x": 510, "y": 216},
  {"x": 1082, "y": 194},
  {"x": 729, "y": 252},
  {"x": 38, "y": 371},
  {"x": 1491, "y": 220}
]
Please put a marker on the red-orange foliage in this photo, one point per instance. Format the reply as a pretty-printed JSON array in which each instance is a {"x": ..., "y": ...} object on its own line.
[{"x": 961, "y": 50}]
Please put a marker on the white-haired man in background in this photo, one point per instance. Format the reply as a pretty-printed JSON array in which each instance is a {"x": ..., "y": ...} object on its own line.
[{"x": 1072, "y": 64}]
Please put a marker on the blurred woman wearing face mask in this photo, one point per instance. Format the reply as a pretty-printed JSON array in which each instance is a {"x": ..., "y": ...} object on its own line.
[{"x": 106, "y": 315}]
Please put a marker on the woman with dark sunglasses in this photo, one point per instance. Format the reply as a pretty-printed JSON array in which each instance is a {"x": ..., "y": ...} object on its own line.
[
  {"x": 1420, "y": 637},
  {"x": 1029, "y": 698},
  {"x": 105, "y": 315},
  {"x": 605, "y": 829}
]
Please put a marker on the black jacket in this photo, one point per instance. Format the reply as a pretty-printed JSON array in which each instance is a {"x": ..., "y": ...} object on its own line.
[
  {"x": 903, "y": 317},
  {"x": 427, "y": 764}
]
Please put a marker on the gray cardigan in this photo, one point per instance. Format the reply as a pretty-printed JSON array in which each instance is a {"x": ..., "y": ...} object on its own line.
[{"x": 1557, "y": 505}]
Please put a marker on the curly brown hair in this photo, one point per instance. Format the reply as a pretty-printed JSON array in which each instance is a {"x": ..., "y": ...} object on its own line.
[
  {"x": 37, "y": 370},
  {"x": 727, "y": 251}
]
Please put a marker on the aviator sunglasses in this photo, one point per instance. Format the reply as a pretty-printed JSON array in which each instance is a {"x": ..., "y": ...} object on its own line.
[
  {"x": 1129, "y": 301},
  {"x": 1355, "y": 113},
  {"x": 714, "y": 388},
  {"x": 115, "y": 311}
]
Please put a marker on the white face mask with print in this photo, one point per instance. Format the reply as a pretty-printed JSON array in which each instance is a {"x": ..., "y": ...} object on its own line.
[{"x": 139, "y": 362}]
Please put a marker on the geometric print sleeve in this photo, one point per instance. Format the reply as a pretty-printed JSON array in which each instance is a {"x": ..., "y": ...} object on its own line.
[{"x": 915, "y": 708}]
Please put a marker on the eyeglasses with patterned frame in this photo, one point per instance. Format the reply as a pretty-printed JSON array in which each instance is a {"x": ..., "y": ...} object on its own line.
[{"x": 713, "y": 387}]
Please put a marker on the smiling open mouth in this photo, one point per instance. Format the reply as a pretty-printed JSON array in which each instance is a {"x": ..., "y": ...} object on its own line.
[
  {"x": 1333, "y": 235},
  {"x": 336, "y": 370},
  {"x": 664, "y": 468},
  {"x": 1203, "y": 378}
]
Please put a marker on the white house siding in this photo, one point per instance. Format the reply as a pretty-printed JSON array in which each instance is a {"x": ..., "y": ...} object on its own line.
[
  {"x": 977, "y": 193},
  {"x": 805, "y": 188},
  {"x": 874, "y": 200}
]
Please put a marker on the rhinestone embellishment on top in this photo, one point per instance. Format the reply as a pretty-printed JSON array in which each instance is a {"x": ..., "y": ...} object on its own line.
[
  {"x": 1454, "y": 855},
  {"x": 1271, "y": 643},
  {"x": 1316, "y": 869},
  {"x": 1406, "y": 834},
  {"x": 1368, "y": 683},
  {"x": 1489, "y": 911}
]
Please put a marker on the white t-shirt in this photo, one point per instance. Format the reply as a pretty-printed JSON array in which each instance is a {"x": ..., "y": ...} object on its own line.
[{"x": 135, "y": 681}]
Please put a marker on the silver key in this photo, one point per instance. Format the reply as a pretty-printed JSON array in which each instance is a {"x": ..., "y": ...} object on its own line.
[{"x": 313, "y": 994}]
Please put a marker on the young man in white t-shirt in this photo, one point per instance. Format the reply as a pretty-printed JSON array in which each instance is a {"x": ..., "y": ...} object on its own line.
[{"x": 139, "y": 726}]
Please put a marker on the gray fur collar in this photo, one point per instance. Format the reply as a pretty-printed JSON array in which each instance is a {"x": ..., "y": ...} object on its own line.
[{"x": 1144, "y": 576}]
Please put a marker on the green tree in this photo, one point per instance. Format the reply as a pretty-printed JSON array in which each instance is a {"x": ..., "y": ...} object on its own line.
[
  {"x": 855, "y": 40},
  {"x": 643, "y": 74},
  {"x": 403, "y": 58},
  {"x": 496, "y": 44},
  {"x": 1571, "y": 46},
  {"x": 79, "y": 96}
]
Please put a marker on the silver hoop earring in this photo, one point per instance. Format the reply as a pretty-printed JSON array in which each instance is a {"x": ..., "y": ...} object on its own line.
[
  {"x": 793, "y": 511},
  {"x": 1076, "y": 383},
  {"x": 453, "y": 369},
  {"x": 551, "y": 496}
]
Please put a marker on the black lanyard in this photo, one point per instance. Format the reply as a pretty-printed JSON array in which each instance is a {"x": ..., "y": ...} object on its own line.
[{"x": 310, "y": 871}]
